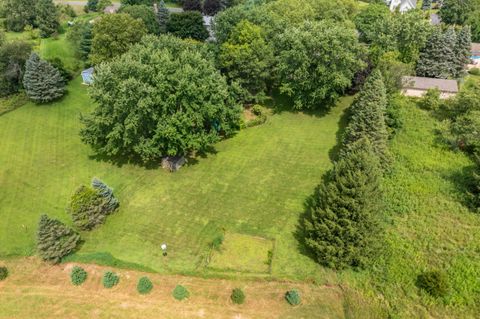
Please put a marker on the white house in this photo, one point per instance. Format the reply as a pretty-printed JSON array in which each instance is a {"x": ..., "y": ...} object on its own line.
[
  {"x": 402, "y": 5},
  {"x": 416, "y": 86}
]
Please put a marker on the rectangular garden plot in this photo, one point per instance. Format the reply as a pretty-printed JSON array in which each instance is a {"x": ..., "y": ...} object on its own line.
[{"x": 244, "y": 253}]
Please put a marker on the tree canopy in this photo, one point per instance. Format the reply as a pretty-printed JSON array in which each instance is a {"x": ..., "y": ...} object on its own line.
[
  {"x": 43, "y": 82},
  {"x": 187, "y": 24},
  {"x": 144, "y": 13},
  {"x": 163, "y": 97}
]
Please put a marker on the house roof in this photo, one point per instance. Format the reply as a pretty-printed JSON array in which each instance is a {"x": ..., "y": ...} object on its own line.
[
  {"x": 475, "y": 47},
  {"x": 421, "y": 83},
  {"x": 402, "y": 5}
]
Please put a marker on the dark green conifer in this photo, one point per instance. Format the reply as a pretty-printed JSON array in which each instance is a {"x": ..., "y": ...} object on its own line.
[
  {"x": 47, "y": 18},
  {"x": 343, "y": 221},
  {"x": 368, "y": 118},
  {"x": 426, "y": 5},
  {"x": 462, "y": 50},
  {"x": 43, "y": 82},
  {"x": 54, "y": 239},
  {"x": 162, "y": 16},
  {"x": 437, "y": 56}
]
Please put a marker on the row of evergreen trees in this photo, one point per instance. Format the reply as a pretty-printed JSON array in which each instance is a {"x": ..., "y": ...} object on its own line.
[
  {"x": 342, "y": 221},
  {"x": 445, "y": 54},
  {"x": 89, "y": 209}
]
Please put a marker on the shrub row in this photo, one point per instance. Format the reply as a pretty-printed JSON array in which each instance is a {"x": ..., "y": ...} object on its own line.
[{"x": 145, "y": 286}]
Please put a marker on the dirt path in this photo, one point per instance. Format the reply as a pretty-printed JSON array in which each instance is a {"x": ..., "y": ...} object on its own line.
[{"x": 37, "y": 290}]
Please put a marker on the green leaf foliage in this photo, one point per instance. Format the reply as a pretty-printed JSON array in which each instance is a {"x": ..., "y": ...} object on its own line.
[
  {"x": 192, "y": 5},
  {"x": 237, "y": 296},
  {"x": 136, "y": 2},
  {"x": 55, "y": 240},
  {"x": 164, "y": 97},
  {"x": 3, "y": 273},
  {"x": 144, "y": 285},
  {"x": 211, "y": 7},
  {"x": 110, "y": 279},
  {"x": 78, "y": 275},
  {"x": 316, "y": 62},
  {"x": 144, "y": 13},
  {"x": 47, "y": 17},
  {"x": 188, "y": 24},
  {"x": 342, "y": 221},
  {"x": 458, "y": 11},
  {"x": 113, "y": 35},
  {"x": 368, "y": 120},
  {"x": 13, "y": 56},
  {"x": 19, "y": 14},
  {"x": 180, "y": 293},
  {"x": 293, "y": 297},
  {"x": 43, "y": 83},
  {"x": 434, "y": 282}
]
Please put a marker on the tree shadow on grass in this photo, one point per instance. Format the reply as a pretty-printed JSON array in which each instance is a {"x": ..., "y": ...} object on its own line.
[
  {"x": 464, "y": 184},
  {"x": 342, "y": 125}
]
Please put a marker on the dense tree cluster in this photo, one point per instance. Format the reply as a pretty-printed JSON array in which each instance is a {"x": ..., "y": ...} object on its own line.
[
  {"x": 144, "y": 13},
  {"x": 13, "y": 56},
  {"x": 187, "y": 24},
  {"x": 36, "y": 13},
  {"x": 43, "y": 82},
  {"x": 80, "y": 35},
  {"x": 163, "y": 97},
  {"x": 55, "y": 240}
]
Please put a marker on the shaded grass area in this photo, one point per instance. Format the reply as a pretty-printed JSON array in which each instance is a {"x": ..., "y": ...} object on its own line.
[
  {"x": 254, "y": 183},
  {"x": 428, "y": 227}
]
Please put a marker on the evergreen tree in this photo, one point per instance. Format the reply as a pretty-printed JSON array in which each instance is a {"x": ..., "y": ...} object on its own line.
[
  {"x": 163, "y": 15},
  {"x": 211, "y": 7},
  {"x": 91, "y": 6},
  {"x": 426, "y": 5},
  {"x": 342, "y": 223},
  {"x": 47, "y": 18},
  {"x": 368, "y": 118},
  {"x": 106, "y": 192},
  {"x": 85, "y": 44},
  {"x": 436, "y": 58},
  {"x": 192, "y": 5},
  {"x": 43, "y": 83},
  {"x": 462, "y": 50},
  {"x": 54, "y": 239}
]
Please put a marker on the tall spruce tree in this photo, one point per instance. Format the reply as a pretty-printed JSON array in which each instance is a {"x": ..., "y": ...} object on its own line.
[
  {"x": 54, "y": 239},
  {"x": 107, "y": 193},
  {"x": 343, "y": 221},
  {"x": 462, "y": 50},
  {"x": 163, "y": 14},
  {"x": 368, "y": 119},
  {"x": 192, "y": 5},
  {"x": 47, "y": 17},
  {"x": 436, "y": 59},
  {"x": 43, "y": 82},
  {"x": 426, "y": 5}
]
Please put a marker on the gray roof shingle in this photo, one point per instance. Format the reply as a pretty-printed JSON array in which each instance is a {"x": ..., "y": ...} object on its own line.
[{"x": 421, "y": 83}]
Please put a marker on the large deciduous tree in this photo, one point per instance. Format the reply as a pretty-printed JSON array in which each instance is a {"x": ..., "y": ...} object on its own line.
[
  {"x": 13, "y": 56},
  {"x": 55, "y": 240},
  {"x": 458, "y": 11},
  {"x": 163, "y": 97},
  {"x": 43, "y": 82},
  {"x": 47, "y": 17},
  {"x": 144, "y": 13},
  {"x": 247, "y": 59},
  {"x": 113, "y": 35},
  {"x": 187, "y": 25},
  {"x": 343, "y": 219},
  {"x": 316, "y": 62},
  {"x": 19, "y": 14}
]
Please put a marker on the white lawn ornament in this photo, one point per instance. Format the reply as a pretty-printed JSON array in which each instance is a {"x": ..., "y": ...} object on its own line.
[{"x": 164, "y": 248}]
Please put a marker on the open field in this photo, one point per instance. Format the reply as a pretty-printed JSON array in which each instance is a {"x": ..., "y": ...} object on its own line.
[{"x": 37, "y": 290}]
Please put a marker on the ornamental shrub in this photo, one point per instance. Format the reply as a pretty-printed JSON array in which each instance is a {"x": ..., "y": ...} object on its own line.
[
  {"x": 238, "y": 296},
  {"x": 293, "y": 297},
  {"x": 474, "y": 71},
  {"x": 434, "y": 282},
  {"x": 144, "y": 285},
  {"x": 78, "y": 275},
  {"x": 180, "y": 292},
  {"x": 110, "y": 279},
  {"x": 3, "y": 273}
]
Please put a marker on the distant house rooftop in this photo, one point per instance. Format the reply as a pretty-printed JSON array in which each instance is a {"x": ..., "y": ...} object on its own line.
[
  {"x": 475, "y": 49},
  {"x": 421, "y": 83}
]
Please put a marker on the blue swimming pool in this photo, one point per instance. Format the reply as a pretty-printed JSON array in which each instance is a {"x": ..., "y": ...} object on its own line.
[{"x": 475, "y": 57}]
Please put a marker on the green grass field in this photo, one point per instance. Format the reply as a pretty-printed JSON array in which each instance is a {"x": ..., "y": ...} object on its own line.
[{"x": 255, "y": 184}]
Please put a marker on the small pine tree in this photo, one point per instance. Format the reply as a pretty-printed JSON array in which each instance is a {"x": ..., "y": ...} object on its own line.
[
  {"x": 426, "y": 5},
  {"x": 54, "y": 239},
  {"x": 368, "y": 119},
  {"x": 237, "y": 296},
  {"x": 436, "y": 58},
  {"x": 343, "y": 221},
  {"x": 43, "y": 83},
  {"x": 192, "y": 5},
  {"x": 163, "y": 15},
  {"x": 47, "y": 17},
  {"x": 462, "y": 50},
  {"x": 211, "y": 7},
  {"x": 85, "y": 45},
  {"x": 107, "y": 193}
]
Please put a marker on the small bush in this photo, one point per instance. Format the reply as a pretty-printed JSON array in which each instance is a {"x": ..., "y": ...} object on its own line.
[
  {"x": 434, "y": 282},
  {"x": 180, "y": 292},
  {"x": 257, "y": 110},
  {"x": 217, "y": 242},
  {"x": 431, "y": 100},
  {"x": 110, "y": 279},
  {"x": 474, "y": 71},
  {"x": 3, "y": 273},
  {"x": 293, "y": 297},
  {"x": 237, "y": 296},
  {"x": 144, "y": 285},
  {"x": 78, "y": 275}
]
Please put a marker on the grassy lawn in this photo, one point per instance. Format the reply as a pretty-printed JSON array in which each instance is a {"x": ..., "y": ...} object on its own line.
[{"x": 254, "y": 184}]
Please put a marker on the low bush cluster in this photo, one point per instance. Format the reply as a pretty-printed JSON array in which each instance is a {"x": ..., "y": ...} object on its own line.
[
  {"x": 110, "y": 279},
  {"x": 144, "y": 285},
  {"x": 180, "y": 292},
  {"x": 293, "y": 297},
  {"x": 434, "y": 282},
  {"x": 237, "y": 296},
  {"x": 3, "y": 273},
  {"x": 78, "y": 275}
]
